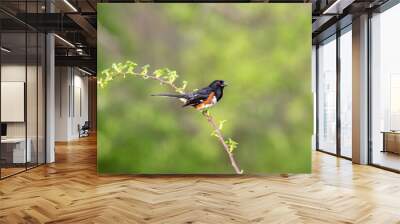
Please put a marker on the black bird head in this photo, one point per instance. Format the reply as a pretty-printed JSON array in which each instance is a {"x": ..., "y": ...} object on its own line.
[{"x": 218, "y": 84}]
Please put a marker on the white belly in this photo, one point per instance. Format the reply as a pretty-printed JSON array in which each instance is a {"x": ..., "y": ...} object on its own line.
[{"x": 213, "y": 102}]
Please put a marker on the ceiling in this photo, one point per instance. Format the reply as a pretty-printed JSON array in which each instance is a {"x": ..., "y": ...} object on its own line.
[
  {"x": 74, "y": 21},
  {"x": 331, "y": 15}
]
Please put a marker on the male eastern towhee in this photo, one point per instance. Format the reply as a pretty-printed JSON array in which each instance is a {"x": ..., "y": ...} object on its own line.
[{"x": 203, "y": 98}]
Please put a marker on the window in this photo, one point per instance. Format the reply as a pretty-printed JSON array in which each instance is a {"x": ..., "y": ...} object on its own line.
[
  {"x": 385, "y": 89},
  {"x": 313, "y": 84},
  {"x": 327, "y": 95},
  {"x": 22, "y": 87},
  {"x": 346, "y": 92}
]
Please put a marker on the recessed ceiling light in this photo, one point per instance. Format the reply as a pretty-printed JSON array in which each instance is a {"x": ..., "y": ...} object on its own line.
[
  {"x": 64, "y": 40},
  {"x": 70, "y": 5},
  {"x": 337, "y": 7},
  {"x": 5, "y": 50},
  {"x": 84, "y": 71}
]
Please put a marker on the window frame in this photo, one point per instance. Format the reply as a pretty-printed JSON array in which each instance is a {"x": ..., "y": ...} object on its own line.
[{"x": 336, "y": 38}]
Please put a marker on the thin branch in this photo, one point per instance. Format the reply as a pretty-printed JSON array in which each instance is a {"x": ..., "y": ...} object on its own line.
[
  {"x": 163, "y": 81},
  {"x": 234, "y": 164}
]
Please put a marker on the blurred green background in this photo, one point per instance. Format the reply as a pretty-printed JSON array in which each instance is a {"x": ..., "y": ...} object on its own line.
[{"x": 262, "y": 50}]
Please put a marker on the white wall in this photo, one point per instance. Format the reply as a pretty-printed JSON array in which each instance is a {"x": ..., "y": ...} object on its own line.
[
  {"x": 12, "y": 73},
  {"x": 13, "y": 101},
  {"x": 81, "y": 100},
  {"x": 62, "y": 83},
  {"x": 34, "y": 126},
  {"x": 71, "y": 94}
]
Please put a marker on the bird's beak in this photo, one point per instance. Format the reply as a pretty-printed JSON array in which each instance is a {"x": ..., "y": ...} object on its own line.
[{"x": 224, "y": 85}]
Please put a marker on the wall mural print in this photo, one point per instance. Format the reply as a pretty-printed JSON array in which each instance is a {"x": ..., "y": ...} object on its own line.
[{"x": 204, "y": 88}]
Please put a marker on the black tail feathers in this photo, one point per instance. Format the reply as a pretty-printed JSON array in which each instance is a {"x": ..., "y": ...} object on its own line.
[{"x": 171, "y": 95}]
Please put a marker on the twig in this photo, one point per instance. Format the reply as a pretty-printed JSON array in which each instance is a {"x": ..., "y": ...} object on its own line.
[
  {"x": 234, "y": 164},
  {"x": 163, "y": 81}
]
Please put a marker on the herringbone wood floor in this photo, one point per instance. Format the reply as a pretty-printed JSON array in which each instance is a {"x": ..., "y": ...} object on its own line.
[{"x": 70, "y": 191}]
